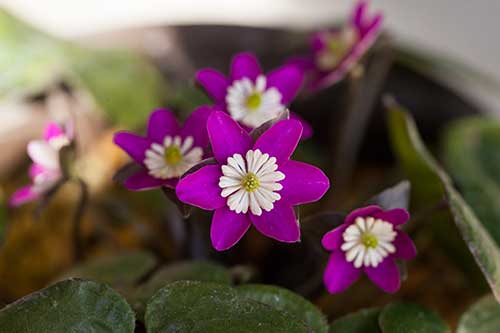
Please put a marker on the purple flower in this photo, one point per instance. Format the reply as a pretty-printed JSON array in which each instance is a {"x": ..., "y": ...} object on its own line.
[
  {"x": 167, "y": 151},
  {"x": 250, "y": 96},
  {"x": 336, "y": 51},
  {"x": 45, "y": 171},
  {"x": 369, "y": 241},
  {"x": 252, "y": 182}
]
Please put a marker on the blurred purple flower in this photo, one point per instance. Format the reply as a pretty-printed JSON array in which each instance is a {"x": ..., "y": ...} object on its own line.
[
  {"x": 167, "y": 151},
  {"x": 369, "y": 240},
  {"x": 250, "y": 96},
  {"x": 336, "y": 51},
  {"x": 252, "y": 183},
  {"x": 45, "y": 171}
]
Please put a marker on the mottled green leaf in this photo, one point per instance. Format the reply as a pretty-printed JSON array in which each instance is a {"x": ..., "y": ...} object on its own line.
[
  {"x": 203, "y": 307},
  {"x": 401, "y": 317},
  {"x": 69, "y": 306},
  {"x": 287, "y": 301},
  {"x": 363, "y": 321},
  {"x": 414, "y": 155},
  {"x": 482, "y": 317},
  {"x": 120, "y": 270}
]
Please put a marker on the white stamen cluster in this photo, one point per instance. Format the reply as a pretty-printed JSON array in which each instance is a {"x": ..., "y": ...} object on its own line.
[
  {"x": 253, "y": 104},
  {"x": 173, "y": 158},
  {"x": 368, "y": 241},
  {"x": 251, "y": 182}
]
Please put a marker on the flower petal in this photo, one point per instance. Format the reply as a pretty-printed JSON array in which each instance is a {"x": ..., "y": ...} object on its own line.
[
  {"x": 280, "y": 140},
  {"x": 42, "y": 153},
  {"x": 395, "y": 216},
  {"x": 35, "y": 170},
  {"x": 135, "y": 146},
  {"x": 245, "y": 65},
  {"x": 23, "y": 195},
  {"x": 201, "y": 188},
  {"x": 303, "y": 183},
  {"x": 339, "y": 274},
  {"x": 307, "y": 130},
  {"x": 162, "y": 122},
  {"x": 280, "y": 223},
  {"x": 362, "y": 212},
  {"x": 196, "y": 126},
  {"x": 288, "y": 80},
  {"x": 141, "y": 180},
  {"x": 385, "y": 275},
  {"x": 332, "y": 240},
  {"x": 214, "y": 83},
  {"x": 405, "y": 248},
  {"x": 226, "y": 136},
  {"x": 358, "y": 14},
  {"x": 227, "y": 228},
  {"x": 52, "y": 130}
]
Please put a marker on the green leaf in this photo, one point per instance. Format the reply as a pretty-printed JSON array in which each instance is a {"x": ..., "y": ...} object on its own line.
[
  {"x": 69, "y": 306},
  {"x": 203, "y": 307},
  {"x": 120, "y": 270},
  {"x": 417, "y": 160},
  {"x": 363, "y": 321},
  {"x": 188, "y": 270},
  {"x": 397, "y": 196},
  {"x": 482, "y": 317},
  {"x": 401, "y": 317},
  {"x": 287, "y": 301},
  {"x": 473, "y": 158}
]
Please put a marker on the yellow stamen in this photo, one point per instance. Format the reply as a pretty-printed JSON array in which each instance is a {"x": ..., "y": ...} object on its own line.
[
  {"x": 250, "y": 182},
  {"x": 369, "y": 240},
  {"x": 253, "y": 101},
  {"x": 173, "y": 155}
]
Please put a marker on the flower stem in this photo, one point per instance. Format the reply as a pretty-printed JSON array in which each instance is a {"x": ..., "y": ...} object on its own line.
[{"x": 78, "y": 219}]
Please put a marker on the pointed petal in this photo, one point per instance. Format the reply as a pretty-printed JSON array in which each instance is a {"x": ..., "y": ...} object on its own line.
[
  {"x": 245, "y": 65},
  {"x": 333, "y": 239},
  {"x": 135, "y": 146},
  {"x": 280, "y": 223},
  {"x": 196, "y": 126},
  {"x": 288, "y": 80},
  {"x": 227, "y": 228},
  {"x": 227, "y": 137},
  {"x": 162, "y": 122},
  {"x": 307, "y": 130},
  {"x": 361, "y": 212},
  {"x": 201, "y": 188},
  {"x": 141, "y": 181},
  {"x": 214, "y": 83},
  {"x": 35, "y": 170},
  {"x": 280, "y": 140},
  {"x": 303, "y": 183},
  {"x": 52, "y": 130},
  {"x": 395, "y": 216},
  {"x": 339, "y": 274},
  {"x": 22, "y": 196},
  {"x": 42, "y": 153},
  {"x": 358, "y": 14},
  {"x": 385, "y": 275},
  {"x": 405, "y": 248}
]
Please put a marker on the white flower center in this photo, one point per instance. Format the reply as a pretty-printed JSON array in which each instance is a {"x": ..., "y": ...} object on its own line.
[
  {"x": 251, "y": 182},
  {"x": 253, "y": 104},
  {"x": 368, "y": 241},
  {"x": 337, "y": 44},
  {"x": 173, "y": 158}
]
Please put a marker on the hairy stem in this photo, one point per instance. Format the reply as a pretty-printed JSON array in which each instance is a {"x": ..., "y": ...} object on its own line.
[{"x": 78, "y": 219}]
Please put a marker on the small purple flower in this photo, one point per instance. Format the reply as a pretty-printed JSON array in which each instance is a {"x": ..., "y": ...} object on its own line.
[
  {"x": 252, "y": 182},
  {"x": 250, "y": 96},
  {"x": 45, "y": 171},
  {"x": 167, "y": 151},
  {"x": 369, "y": 240},
  {"x": 336, "y": 51}
]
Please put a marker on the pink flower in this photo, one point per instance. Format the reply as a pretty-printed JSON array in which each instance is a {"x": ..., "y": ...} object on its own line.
[
  {"x": 368, "y": 241},
  {"x": 252, "y": 183},
  {"x": 45, "y": 171},
  {"x": 335, "y": 52}
]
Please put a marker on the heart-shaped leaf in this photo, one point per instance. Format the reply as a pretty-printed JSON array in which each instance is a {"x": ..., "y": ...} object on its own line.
[
  {"x": 402, "y": 317},
  {"x": 482, "y": 317},
  {"x": 363, "y": 321},
  {"x": 285, "y": 300},
  {"x": 202, "y": 307},
  {"x": 69, "y": 306},
  {"x": 422, "y": 167}
]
